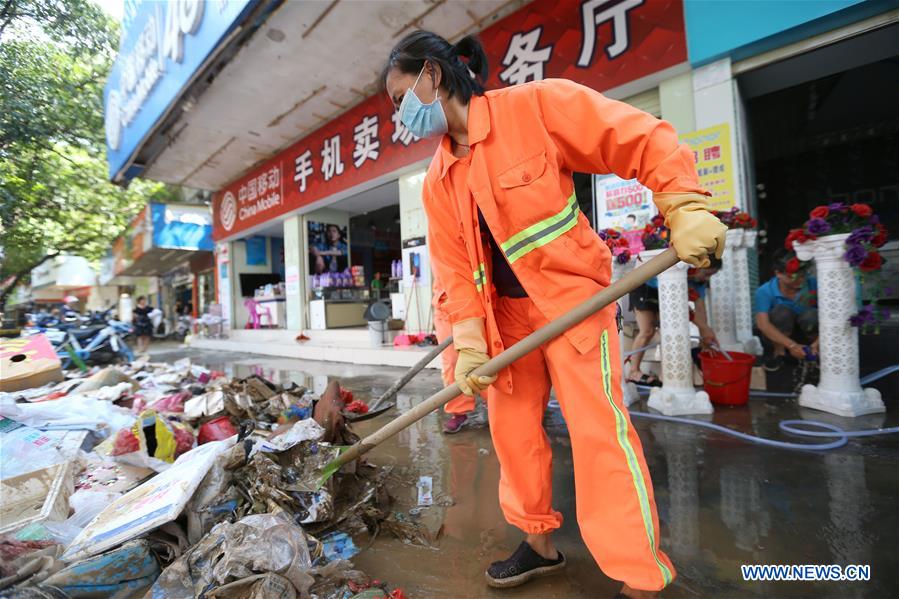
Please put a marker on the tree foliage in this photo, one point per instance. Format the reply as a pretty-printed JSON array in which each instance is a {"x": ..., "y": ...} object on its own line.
[{"x": 54, "y": 194}]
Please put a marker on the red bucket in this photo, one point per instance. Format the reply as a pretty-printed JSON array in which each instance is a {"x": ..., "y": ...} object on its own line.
[{"x": 727, "y": 381}]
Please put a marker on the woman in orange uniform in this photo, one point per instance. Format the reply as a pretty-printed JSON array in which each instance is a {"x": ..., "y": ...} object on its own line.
[{"x": 513, "y": 251}]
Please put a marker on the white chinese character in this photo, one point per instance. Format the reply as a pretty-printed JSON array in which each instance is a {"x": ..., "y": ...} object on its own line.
[
  {"x": 332, "y": 165},
  {"x": 251, "y": 189},
  {"x": 302, "y": 169},
  {"x": 367, "y": 143},
  {"x": 592, "y": 14},
  {"x": 274, "y": 177},
  {"x": 242, "y": 194},
  {"x": 262, "y": 184},
  {"x": 400, "y": 132},
  {"x": 524, "y": 61}
]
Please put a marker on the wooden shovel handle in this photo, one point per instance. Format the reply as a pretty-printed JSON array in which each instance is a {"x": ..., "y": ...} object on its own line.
[{"x": 551, "y": 330}]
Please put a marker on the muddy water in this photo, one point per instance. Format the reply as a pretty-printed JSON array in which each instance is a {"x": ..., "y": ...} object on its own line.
[{"x": 722, "y": 503}]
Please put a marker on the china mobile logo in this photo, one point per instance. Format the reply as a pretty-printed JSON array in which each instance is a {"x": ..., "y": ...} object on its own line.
[{"x": 228, "y": 211}]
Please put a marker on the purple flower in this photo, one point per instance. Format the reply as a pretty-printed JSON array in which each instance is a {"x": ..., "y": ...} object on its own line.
[
  {"x": 623, "y": 257},
  {"x": 817, "y": 226},
  {"x": 863, "y": 316},
  {"x": 837, "y": 207},
  {"x": 874, "y": 220},
  {"x": 860, "y": 235},
  {"x": 855, "y": 255},
  {"x": 603, "y": 235}
]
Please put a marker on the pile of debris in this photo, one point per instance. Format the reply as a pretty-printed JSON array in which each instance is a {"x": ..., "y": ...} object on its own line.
[{"x": 172, "y": 480}]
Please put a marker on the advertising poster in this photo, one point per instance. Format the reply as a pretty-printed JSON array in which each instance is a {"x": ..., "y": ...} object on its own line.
[
  {"x": 328, "y": 248},
  {"x": 714, "y": 163},
  {"x": 625, "y": 205}
]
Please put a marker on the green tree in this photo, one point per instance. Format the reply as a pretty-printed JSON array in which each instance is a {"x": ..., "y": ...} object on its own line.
[{"x": 54, "y": 194}]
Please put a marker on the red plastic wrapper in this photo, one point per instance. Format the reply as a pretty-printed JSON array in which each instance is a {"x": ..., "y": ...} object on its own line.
[
  {"x": 216, "y": 429},
  {"x": 357, "y": 407}
]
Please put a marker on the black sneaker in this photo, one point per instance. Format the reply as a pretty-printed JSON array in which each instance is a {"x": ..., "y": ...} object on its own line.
[{"x": 522, "y": 566}]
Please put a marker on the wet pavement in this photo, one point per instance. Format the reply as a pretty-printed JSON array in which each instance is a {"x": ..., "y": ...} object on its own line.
[{"x": 722, "y": 502}]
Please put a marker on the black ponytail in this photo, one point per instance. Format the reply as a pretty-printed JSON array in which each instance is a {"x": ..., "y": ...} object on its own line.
[{"x": 463, "y": 65}]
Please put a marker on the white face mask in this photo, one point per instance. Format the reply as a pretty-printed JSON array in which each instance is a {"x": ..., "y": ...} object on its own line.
[{"x": 423, "y": 120}]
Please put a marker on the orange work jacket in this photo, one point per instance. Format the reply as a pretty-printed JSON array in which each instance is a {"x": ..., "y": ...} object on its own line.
[{"x": 525, "y": 142}]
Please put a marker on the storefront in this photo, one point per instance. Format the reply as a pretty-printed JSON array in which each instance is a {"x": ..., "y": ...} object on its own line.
[
  {"x": 303, "y": 232},
  {"x": 347, "y": 198},
  {"x": 808, "y": 98},
  {"x": 164, "y": 254}
]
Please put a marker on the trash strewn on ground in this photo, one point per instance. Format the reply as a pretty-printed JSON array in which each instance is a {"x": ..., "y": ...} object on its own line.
[{"x": 173, "y": 480}]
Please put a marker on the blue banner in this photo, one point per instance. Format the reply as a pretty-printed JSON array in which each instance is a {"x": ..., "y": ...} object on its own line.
[
  {"x": 162, "y": 46},
  {"x": 181, "y": 227}
]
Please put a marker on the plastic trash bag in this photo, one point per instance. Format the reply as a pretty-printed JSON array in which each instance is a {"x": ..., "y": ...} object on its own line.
[{"x": 254, "y": 545}]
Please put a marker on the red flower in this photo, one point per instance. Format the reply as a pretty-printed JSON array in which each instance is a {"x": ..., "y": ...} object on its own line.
[
  {"x": 820, "y": 212},
  {"x": 873, "y": 261},
  {"x": 649, "y": 230},
  {"x": 622, "y": 243},
  {"x": 862, "y": 210},
  {"x": 881, "y": 237},
  {"x": 797, "y": 235},
  {"x": 692, "y": 295},
  {"x": 658, "y": 220},
  {"x": 793, "y": 266}
]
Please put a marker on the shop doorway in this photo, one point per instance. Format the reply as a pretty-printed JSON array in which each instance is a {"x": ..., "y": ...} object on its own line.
[
  {"x": 823, "y": 128},
  {"x": 376, "y": 246}
]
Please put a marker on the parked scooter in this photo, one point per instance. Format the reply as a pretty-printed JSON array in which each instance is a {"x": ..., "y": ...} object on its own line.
[
  {"x": 164, "y": 329},
  {"x": 95, "y": 338},
  {"x": 98, "y": 344}
]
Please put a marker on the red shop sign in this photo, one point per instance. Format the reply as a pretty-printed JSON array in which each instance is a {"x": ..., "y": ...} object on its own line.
[{"x": 600, "y": 43}]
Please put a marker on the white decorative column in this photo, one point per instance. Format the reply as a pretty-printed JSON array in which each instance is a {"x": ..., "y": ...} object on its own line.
[
  {"x": 676, "y": 396},
  {"x": 742, "y": 294},
  {"x": 838, "y": 391},
  {"x": 722, "y": 284},
  {"x": 629, "y": 389}
]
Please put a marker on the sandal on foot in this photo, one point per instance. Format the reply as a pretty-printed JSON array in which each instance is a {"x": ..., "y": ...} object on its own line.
[
  {"x": 522, "y": 566},
  {"x": 648, "y": 380}
]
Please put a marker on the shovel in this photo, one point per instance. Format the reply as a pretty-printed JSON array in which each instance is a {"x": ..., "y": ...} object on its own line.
[{"x": 550, "y": 331}]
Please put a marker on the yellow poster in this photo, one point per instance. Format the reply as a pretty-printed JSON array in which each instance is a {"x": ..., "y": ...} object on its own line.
[{"x": 714, "y": 163}]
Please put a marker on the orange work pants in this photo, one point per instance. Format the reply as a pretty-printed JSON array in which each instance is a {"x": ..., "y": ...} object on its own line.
[
  {"x": 616, "y": 509},
  {"x": 458, "y": 405}
]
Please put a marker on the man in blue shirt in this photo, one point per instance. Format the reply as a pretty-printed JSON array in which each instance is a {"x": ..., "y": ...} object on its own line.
[{"x": 785, "y": 313}]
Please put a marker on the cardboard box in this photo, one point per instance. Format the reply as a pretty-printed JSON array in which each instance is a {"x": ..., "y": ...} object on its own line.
[
  {"x": 36, "y": 497},
  {"x": 28, "y": 362}
]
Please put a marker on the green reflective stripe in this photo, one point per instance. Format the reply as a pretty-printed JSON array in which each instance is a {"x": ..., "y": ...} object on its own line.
[
  {"x": 541, "y": 233},
  {"x": 480, "y": 276},
  {"x": 631, "y": 455}
]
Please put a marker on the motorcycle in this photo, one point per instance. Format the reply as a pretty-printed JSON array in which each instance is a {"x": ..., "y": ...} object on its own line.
[
  {"x": 163, "y": 329},
  {"x": 98, "y": 344},
  {"x": 95, "y": 338}
]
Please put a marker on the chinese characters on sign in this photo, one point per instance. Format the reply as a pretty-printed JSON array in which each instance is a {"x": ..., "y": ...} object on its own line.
[
  {"x": 259, "y": 193},
  {"x": 621, "y": 204},
  {"x": 524, "y": 61},
  {"x": 712, "y": 153},
  {"x": 599, "y": 43}
]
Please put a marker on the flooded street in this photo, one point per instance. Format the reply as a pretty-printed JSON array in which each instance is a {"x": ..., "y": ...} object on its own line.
[{"x": 722, "y": 502}]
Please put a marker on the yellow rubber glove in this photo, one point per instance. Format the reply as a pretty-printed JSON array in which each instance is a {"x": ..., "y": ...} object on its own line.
[
  {"x": 470, "y": 340},
  {"x": 695, "y": 232}
]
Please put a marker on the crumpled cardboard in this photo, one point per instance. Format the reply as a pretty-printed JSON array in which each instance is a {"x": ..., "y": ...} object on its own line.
[{"x": 159, "y": 500}]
